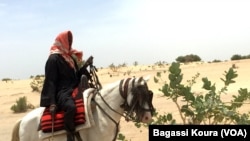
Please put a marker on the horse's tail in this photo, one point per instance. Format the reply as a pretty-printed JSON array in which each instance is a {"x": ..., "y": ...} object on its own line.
[{"x": 15, "y": 131}]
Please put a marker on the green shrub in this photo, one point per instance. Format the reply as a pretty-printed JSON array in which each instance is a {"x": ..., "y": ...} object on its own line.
[
  {"x": 206, "y": 108},
  {"x": 188, "y": 58},
  {"x": 21, "y": 105},
  {"x": 6, "y": 79},
  {"x": 121, "y": 137},
  {"x": 240, "y": 57},
  {"x": 236, "y": 57},
  {"x": 216, "y": 61}
]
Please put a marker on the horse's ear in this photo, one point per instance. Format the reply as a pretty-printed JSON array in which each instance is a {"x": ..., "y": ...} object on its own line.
[{"x": 146, "y": 78}]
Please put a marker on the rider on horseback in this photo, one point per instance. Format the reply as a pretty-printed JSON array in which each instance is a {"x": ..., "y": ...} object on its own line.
[{"x": 62, "y": 76}]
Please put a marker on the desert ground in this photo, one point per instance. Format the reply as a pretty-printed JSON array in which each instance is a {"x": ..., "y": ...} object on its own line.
[{"x": 11, "y": 91}]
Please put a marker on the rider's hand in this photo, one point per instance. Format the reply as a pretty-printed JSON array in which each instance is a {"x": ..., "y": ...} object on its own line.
[{"x": 52, "y": 108}]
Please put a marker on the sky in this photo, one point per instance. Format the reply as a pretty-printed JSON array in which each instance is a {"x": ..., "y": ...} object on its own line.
[{"x": 121, "y": 31}]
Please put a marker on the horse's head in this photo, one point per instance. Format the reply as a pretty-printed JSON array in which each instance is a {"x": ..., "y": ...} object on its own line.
[{"x": 138, "y": 99}]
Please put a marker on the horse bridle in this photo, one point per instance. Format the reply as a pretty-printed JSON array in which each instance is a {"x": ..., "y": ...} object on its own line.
[{"x": 128, "y": 109}]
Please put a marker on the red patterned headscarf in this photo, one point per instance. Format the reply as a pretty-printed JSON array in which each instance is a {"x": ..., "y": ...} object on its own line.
[{"x": 62, "y": 46}]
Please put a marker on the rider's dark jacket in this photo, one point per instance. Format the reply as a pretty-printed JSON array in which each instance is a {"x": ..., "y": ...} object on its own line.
[{"x": 60, "y": 80}]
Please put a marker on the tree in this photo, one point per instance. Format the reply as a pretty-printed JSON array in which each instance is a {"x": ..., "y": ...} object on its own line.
[
  {"x": 188, "y": 58},
  {"x": 135, "y": 63},
  {"x": 236, "y": 57},
  {"x": 6, "y": 79}
]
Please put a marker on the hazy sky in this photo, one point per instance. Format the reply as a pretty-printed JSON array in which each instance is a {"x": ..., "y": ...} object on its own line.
[{"x": 121, "y": 31}]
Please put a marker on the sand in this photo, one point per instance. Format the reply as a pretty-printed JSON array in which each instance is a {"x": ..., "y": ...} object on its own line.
[{"x": 11, "y": 91}]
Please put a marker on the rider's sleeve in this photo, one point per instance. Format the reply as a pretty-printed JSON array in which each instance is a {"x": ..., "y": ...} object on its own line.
[{"x": 51, "y": 73}]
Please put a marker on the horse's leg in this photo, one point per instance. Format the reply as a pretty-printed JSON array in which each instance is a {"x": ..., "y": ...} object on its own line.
[{"x": 15, "y": 132}]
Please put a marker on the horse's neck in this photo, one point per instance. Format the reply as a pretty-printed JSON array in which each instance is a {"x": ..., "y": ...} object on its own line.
[{"x": 113, "y": 99}]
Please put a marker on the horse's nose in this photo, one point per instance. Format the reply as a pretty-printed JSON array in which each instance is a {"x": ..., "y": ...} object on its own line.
[{"x": 147, "y": 117}]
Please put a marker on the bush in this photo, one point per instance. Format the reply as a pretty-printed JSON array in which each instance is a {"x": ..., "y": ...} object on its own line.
[
  {"x": 216, "y": 61},
  {"x": 236, "y": 57},
  {"x": 121, "y": 137},
  {"x": 240, "y": 57},
  {"x": 21, "y": 105},
  {"x": 188, "y": 58},
  {"x": 113, "y": 67},
  {"x": 6, "y": 79},
  {"x": 205, "y": 108},
  {"x": 37, "y": 83}
]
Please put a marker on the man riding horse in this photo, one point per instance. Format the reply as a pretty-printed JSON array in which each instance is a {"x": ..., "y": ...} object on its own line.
[
  {"x": 130, "y": 98},
  {"x": 62, "y": 77}
]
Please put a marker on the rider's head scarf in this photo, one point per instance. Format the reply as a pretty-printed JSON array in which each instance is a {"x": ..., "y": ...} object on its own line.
[{"x": 62, "y": 46}]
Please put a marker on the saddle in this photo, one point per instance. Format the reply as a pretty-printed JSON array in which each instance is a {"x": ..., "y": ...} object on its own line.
[{"x": 46, "y": 118}]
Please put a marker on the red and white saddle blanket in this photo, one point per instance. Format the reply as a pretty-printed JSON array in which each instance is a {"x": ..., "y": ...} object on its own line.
[
  {"x": 46, "y": 119},
  {"x": 83, "y": 118}
]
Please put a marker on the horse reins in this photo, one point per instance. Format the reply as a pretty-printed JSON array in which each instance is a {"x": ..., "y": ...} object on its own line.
[{"x": 116, "y": 123}]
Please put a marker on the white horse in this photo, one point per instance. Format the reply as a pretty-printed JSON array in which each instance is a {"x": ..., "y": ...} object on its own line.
[{"x": 129, "y": 98}]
